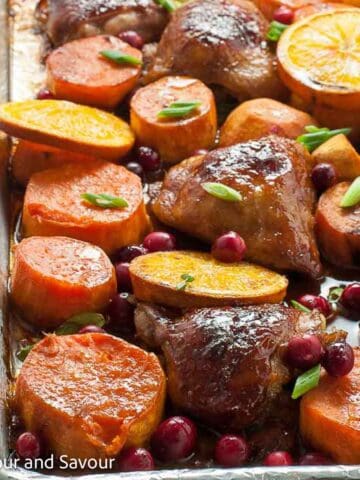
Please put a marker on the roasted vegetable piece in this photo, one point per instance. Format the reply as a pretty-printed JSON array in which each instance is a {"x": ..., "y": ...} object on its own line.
[
  {"x": 193, "y": 279},
  {"x": 261, "y": 117},
  {"x": 174, "y": 132},
  {"x": 341, "y": 154},
  {"x": 66, "y": 20},
  {"x": 55, "y": 278},
  {"x": 274, "y": 216},
  {"x": 337, "y": 228},
  {"x": 65, "y": 125},
  {"x": 29, "y": 158},
  {"x": 78, "y": 71},
  {"x": 54, "y": 204},
  {"x": 206, "y": 38},
  {"x": 90, "y": 395},
  {"x": 329, "y": 420},
  {"x": 224, "y": 365}
]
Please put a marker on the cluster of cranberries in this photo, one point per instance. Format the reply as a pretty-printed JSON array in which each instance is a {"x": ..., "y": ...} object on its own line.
[{"x": 175, "y": 440}]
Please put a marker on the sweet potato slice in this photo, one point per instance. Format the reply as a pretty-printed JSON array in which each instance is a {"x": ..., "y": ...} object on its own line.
[
  {"x": 174, "y": 138},
  {"x": 341, "y": 154},
  {"x": 157, "y": 278},
  {"x": 29, "y": 158},
  {"x": 79, "y": 73},
  {"x": 268, "y": 7},
  {"x": 330, "y": 418},
  {"x": 89, "y": 395},
  {"x": 261, "y": 117},
  {"x": 337, "y": 228},
  {"x": 68, "y": 126},
  {"x": 54, "y": 278},
  {"x": 53, "y": 205}
]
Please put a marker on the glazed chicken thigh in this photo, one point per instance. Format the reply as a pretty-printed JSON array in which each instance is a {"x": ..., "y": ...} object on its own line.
[
  {"x": 225, "y": 365},
  {"x": 275, "y": 215},
  {"x": 221, "y": 42},
  {"x": 66, "y": 20}
]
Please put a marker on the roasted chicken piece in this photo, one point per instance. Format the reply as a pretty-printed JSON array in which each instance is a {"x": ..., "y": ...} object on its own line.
[
  {"x": 220, "y": 42},
  {"x": 225, "y": 365},
  {"x": 275, "y": 215},
  {"x": 66, "y": 20}
]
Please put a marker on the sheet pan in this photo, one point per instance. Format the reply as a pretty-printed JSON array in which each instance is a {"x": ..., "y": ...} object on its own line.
[{"x": 19, "y": 76}]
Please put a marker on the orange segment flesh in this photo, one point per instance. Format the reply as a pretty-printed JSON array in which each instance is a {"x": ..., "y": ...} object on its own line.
[
  {"x": 319, "y": 58},
  {"x": 66, "y": 125}
]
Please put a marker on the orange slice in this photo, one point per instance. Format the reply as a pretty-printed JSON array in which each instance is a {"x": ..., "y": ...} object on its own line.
[
  {"x": 68, "y": 126},
  {"x": 317, "y": 8},
  {"x": 319, "y": 58}
]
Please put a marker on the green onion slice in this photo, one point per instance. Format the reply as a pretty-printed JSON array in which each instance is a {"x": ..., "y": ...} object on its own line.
[
  {"x": 119, "y": 57},
  {"x": 179, "y": 109},
  {"x": 186, "y": 279},
  {"x": 352, "y": 196},
  {"x": 219, "y": 190},
  {"x": 77, "y": 322},
  {"x": 275, "y": 30},
  {"x": 314, "y": 136},
  {"x": 335, "y": 294},
  {"x": 103, "y": 200},
  {"x": 306, "y": 382},
  {"x": 299, "y": 306},
  {"x": 167, "y": 4},
  {"x": 24, "y": 351}
]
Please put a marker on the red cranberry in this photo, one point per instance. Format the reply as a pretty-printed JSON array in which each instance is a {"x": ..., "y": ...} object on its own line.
[
  {"x": 338, "y": 359},
  {"x": 92, "y": 329},
  {"x": 278, "y": 459},
  {"x": 229, "y": 248},
  {"x": 316, "y": 302},
  {"x": 136, "y": 460},
  {"x": 44, "y": 94},
  {"x": 136, "y": 168},
  {"x": 284, "y": 14},
  {"x": 123, "y": 277},
  {"x": 304, "y": 352},
  {"x": 121, "y": 313},
  {"x": 174, "y": 439},
  {"x": 323, "y": 176},
  {"x": 231, "y": 451},
  {"x": 28, "y": 445},
  {"x": 126, "y": 254},
  {"x": 132, "y": 38},
  {"x": 350, "y": 298},
  {"x": 315, "y": 458},
  {"x": 149, "y": 159},
  {"x": 160, "y": 242}
]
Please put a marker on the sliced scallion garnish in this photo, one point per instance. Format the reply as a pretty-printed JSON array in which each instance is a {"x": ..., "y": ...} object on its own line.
[
  {"x": 352, "y": 196},
  {"x": 306, "y": 382},
  {"x": 275, "y": 30},
  {"x": 314, "y": 136},
  {"x": 167, "y": 4},
  {"x": 299, "y": 306},
  {"x": 219, "y": 190},
  {"x": 103, "y": 200},
  {"x": 186, "y": 279},
  {"x": 119, "y": 57},
  {"x": 77, "y": 322},
  {"x": 179, "y": 109}
]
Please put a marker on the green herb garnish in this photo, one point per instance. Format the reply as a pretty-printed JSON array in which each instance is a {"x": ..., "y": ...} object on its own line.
[
  {"x": 276, "y": 29},
  {"x": 335, "y": 294},
  {"x": 24, "y": 351},
  {"x": 299, "y": 306},
  {"x": 314, "y": 136},
  {"x": 104, "y": 200},
  {"x": 75, "y": 323},
  {"x": 219, "y": 190},
  {"x": 352, "y": 196},
  {"x": 119, "y": 57},
  {"x": 167, "y": 4},
  {"x": 179, "y": 109},
  {"x": 306, "y": 382},
  {"x": 186, "y": 279}
]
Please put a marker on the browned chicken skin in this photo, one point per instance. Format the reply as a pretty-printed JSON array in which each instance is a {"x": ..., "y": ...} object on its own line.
[
  {"x": 275, "y": 215},
  {"x": 66, "y": 20},
  {"x": 225, "y": 365},
  {"x": 220, "y": 42}
]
